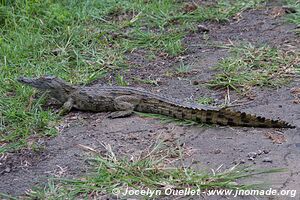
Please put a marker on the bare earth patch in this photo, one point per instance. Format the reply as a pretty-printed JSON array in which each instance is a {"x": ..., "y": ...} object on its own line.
[{"x": 64, "y": 156}]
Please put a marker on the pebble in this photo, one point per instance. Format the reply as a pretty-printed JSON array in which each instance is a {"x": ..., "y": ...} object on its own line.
[
  {"x": 195, "y": 82},
  {"x": 233, "y": 183},
  {"x": 252, "y": 154},
  {"x": 259, "y": 152},
  {"x": 217, "y": 151},
  {"x": 266, "y": 151},
  {"x": 239, "y": 162},
  {"x": 251, "y": 159},
  {"x": 202, "y": 28},
  {"x": 245, "y": 129},
  {"x": 7, "y": 170},
  {"x": 267, "y": 159}
]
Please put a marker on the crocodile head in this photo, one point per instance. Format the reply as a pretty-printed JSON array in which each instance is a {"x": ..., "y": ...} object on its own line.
[{"x": 56, "y": 87}]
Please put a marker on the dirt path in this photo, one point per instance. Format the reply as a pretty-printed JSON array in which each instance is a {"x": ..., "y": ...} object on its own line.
[{"x": 214, "y": 146}]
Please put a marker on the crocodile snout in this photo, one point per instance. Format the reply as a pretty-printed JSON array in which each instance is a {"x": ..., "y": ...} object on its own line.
[{"x": 24, "y": 80}]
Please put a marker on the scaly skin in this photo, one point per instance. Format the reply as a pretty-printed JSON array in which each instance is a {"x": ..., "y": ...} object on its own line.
[{"x": 123, "y": 101}]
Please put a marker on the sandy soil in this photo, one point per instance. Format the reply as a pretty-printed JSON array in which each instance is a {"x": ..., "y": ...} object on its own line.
[{"x": 64, "y": 156}]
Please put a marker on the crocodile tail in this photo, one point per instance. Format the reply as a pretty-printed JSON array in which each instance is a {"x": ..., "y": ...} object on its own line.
[
  {"x": 229, "y": 117},
  {"x": 237, "y": 118},
  {"x": 210, "y": 115}
]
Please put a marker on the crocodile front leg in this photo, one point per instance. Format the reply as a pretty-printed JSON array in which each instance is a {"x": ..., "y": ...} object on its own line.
[
  {"x": 67, "y": 106},
  {"x": 124, "y": 106}
]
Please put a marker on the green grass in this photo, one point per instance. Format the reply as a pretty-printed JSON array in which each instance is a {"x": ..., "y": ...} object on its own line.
[
  {"x": 146, "y": 81},
  {"x": 81, "y": 41},
  {"x": 120, "y": 80},
  {"x": 182, "y": 68},
  {"x": 294, "y": 17},
  {"x": 150, "y": 169},
  {"x": 205, "y": 100},
  {"x": 250, "y": 66}
]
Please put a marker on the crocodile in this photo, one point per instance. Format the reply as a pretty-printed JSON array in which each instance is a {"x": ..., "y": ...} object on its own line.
[{"x": 124, "y": 101}]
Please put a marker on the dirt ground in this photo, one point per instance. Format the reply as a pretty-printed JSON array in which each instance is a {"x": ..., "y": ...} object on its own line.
[{"x": 63, "y": 156}]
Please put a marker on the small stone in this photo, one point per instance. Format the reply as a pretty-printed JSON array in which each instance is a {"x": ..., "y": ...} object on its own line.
[
  {"x": 266, "y": 151},
  {"x": 233, "y": 183},
  {"x": 159, "y": 82},
  {"x": 259, "y": 152},
  {"x": 245, "y": 129},
  {"x": 202, "y": 28},
  {"x": 7, "y": 170},
  {"x": 252, "y": 154},
  {"x": 195, "y": 162},
  {"x": 195, "y": 82},
  {"x": 217, "y": 151},
  {"x": 267, "y": 159}
]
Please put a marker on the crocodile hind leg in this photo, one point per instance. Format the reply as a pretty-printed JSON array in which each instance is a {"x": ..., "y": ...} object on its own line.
[{"x": 124, "y": 106}]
